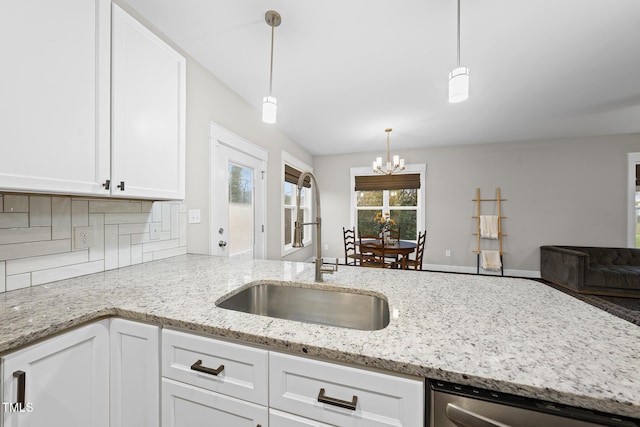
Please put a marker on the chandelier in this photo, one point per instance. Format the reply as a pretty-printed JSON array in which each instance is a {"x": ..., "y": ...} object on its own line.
[{"x": 396, "y": 166}]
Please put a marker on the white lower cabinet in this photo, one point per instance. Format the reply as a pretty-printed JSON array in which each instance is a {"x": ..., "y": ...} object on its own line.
[
  {"x": 213, "y": 382},
  {"x": 135, "y": 374},
  {"x": 109, "y": 374},
  {"x": 342, "y": 395},
  {"x": 283, "y": 419},
  {"x": 184, "y": 405},
  {"x": 61, "y": 381}
]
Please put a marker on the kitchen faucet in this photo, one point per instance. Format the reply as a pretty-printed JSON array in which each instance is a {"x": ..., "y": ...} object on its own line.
[{"x": 297, "y": 239}]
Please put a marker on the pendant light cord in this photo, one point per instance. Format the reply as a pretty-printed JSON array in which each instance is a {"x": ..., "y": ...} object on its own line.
[
  {"x": 271, "y": 67},
  {"x": 458, "y": 34}
]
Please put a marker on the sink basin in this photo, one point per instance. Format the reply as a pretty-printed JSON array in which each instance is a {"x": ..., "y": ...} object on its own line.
[{"x": 324, "y": 306}]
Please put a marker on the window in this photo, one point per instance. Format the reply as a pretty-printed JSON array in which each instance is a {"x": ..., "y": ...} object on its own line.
[
  {"x": 401, "y": 196},
  {"x": 291, "y": 172}
]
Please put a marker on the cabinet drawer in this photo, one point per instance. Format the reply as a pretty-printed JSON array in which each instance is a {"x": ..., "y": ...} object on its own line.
[
  {"x": 184, "y": 405},
  {"x": 242, "y": 373},
  {"x": 283, "y": 419},
  {"x": 378, "y": 399}
]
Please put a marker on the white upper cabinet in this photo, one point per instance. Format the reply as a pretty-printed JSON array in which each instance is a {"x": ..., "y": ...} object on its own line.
[
  {"x": 92, "y": 103},
  {"x": 148, "y": 107},
  {"x": 54, "y": 102}
]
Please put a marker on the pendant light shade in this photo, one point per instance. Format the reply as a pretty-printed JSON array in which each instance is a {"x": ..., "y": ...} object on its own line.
[
  {"x": 459, "y": 84},
  {"x": 269, "y": 104},
  {"x": 459, "y": 77},
  {"x": 269, "y": 109}
]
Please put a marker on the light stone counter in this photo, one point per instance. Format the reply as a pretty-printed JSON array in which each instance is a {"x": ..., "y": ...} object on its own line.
[{"x": 511, "y": 335}]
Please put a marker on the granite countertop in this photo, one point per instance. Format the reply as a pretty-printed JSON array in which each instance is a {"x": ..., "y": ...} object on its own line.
[{"x": 510, "y": 335}]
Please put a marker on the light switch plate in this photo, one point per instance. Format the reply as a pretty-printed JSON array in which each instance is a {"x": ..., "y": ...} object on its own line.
[
  {"x": 83, "y": 237},
  {"x": 194, "y": 216}
]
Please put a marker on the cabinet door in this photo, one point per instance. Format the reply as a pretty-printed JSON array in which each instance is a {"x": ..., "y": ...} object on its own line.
[
  {"x": 184, "y": 405},
  {"x": 148, "y": 113},
  {"x": 135, "y": 374},
  {"x": 55, "y": 96},
  {"x": 66, "y": 380}
]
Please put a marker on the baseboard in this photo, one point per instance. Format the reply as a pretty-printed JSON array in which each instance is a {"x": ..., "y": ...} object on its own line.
[{"x": 530, "y": 274}]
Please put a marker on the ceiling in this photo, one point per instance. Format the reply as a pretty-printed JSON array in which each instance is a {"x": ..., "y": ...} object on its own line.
[{"x": 346, "y": 70}]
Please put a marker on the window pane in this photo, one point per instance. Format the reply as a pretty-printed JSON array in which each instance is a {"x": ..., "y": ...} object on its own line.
[
  {"x": 303, "y": 195},
  {"x": 407, "y": 221},
  {"x": 403, "y": 197},
  {"x": 289, "y": 193},
  {"x": 288, "y": 214},
  {"x": 240, "y": 210},
  {"x": 366, "y": 222},
  {"x": 369, "y": 198}
]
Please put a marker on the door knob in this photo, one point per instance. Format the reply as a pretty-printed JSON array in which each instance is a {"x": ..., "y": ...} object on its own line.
[{"x": 222, "y": 243}]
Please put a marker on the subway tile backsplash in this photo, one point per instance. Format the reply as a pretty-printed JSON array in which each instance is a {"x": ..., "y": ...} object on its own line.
[{"x": 40, "y": 243}]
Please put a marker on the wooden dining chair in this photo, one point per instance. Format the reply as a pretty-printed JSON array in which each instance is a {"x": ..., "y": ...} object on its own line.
[
  {"x": 351, "y": 256},
  {"x": 416, "y": 264},
  {"x": 372, "y": 253}
]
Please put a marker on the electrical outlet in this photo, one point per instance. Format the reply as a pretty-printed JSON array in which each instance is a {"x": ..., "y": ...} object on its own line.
[
  {"x": 83, "y": 237},
  {"x": 447, "y": 252},
  {"x": 154, "y": 231}
]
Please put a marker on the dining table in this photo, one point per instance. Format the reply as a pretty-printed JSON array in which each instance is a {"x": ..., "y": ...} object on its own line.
[{"x": 401, "y": 248}]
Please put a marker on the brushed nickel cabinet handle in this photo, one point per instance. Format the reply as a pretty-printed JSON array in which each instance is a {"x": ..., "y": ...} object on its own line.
[
  {"x": 338, "y": 402},
  {"x": 198, "y": 367},
  {"x": 21, "y": 376}
]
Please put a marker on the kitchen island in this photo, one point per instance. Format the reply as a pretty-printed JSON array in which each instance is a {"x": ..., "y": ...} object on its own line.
[{"x": 511, "y": 335}]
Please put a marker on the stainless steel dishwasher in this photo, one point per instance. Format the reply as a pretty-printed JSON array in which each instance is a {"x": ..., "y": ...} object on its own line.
[{"x": 453, "y": 405}]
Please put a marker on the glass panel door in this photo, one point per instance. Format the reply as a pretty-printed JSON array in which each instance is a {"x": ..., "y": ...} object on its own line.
[{"x": 241, "y": 211}]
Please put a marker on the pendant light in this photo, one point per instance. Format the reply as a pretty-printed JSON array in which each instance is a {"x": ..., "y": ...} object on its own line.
[
  {"x": 459, "y": 77},
  {"x": 269, "y": 103},
  {"x": 396, "y": 165}
]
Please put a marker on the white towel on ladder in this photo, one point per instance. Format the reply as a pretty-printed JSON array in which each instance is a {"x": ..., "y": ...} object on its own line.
[
  {"x": 489, "y": 226},
  {"x": 491, "y": 260}
]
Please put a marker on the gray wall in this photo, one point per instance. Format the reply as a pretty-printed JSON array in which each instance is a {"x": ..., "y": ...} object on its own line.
[
  {"x": 571, "y": 191},
  {"x": 209, "y": 100}
]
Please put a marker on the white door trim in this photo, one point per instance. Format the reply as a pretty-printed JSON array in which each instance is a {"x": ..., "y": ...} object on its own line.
[{"x": 633, "y": 159}]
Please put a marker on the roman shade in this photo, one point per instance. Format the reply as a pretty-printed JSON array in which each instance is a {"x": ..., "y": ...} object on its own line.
[
  {"x": 292, "y": 175},
  {"x": 387, "y": 182}
]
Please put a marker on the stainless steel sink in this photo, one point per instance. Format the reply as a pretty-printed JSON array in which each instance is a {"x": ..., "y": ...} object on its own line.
[{"x": 325, "y": 306}]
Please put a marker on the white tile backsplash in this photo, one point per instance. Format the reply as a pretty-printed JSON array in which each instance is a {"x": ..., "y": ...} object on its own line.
[
  {"x": 13, "y": 203},
  {"x": 18, "y": 281},
  {"x": 10, "y": 220},
  {"x": 61, "y": 217},
  {"x": 39, "y": 211},
  {"x": 36, "y": 234}
]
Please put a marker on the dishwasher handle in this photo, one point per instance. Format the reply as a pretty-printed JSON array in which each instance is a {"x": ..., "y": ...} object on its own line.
[{"x": 465, "y": 418}]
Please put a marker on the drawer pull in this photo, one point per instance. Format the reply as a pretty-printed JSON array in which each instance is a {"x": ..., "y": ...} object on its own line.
[
  {"x": 337, "y": 402},
  {"x": 198, "y": 367},
  {"x": 21, "y": 376}
]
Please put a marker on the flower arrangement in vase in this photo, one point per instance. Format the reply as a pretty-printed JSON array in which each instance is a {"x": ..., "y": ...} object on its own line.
[{"x": 383, "y": 224}]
